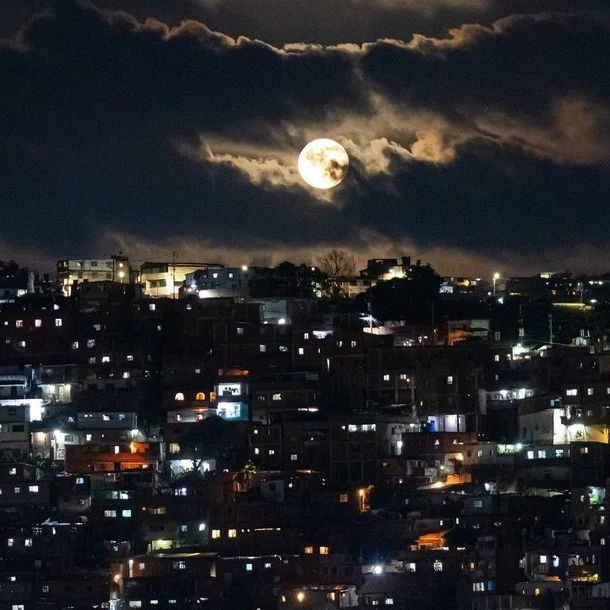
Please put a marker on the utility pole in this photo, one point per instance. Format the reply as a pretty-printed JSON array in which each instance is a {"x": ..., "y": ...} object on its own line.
[
  {"x": 173, "y": 274},
  {"x": 521, "y": 329}
]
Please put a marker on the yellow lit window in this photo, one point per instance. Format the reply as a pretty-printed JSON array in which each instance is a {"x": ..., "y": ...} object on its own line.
[
  {"x": 323, "y": 550},
  {"x": 308, "y": 550},
  {"x": 215, "y": 534},
  {"x": 200, "y": 396},
  {"x": 232, "y": 533},
  {"x": 343, "y": 498}
]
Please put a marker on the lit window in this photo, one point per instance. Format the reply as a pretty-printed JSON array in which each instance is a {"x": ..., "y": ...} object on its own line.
[
  {"x": 449, "y": 379},
  {"x": 232, "y": 533},
  {"x": 271, "y": 451},
  {"x": 572, "y": 392},
  {"x": 240, "y": 330},
  {"x": 215, "y": 534},
  {"x": 294, "y": 457},
  {"x": 18, "y": 323},
  {"x": 389, "y": 601},
  {"x": 200, "y": 396},
  {"x": 117, "y": 449},
  {"x": 277, "y": 396},
  {"x": 179, "y": 396},
  {"x": 301, "y": 351},
  {"x": 174, "y": 447},
  {"x": 589, "y": 391},
  {"x": 584, "y": 450},
  {"x": 343, "y": 498},
  {"x": 438, "y": 566},
  {"x": 179, "y": 565},
  {"x": 126, "y": 513},
  {"x": 543, "y": 559},
  {"x": 542, "y": 454},
  {"x": 33, "y": 489},
  {"x": 410, "y": 567},
  {"x": 262, "y": 348},
  {"x": 323, "y": 550},
  {"x": 308, "y": 550},
  {"x": 530, "y": 455},
  {"x": 152, "y": 307},
  {"x": 257, "y": 451},
  {"x": 38, "y": 323},
  {"x": 496, "y": 357},
  {"x": 105, "y": 359},
  {"x": 386, "y": 377},
  {"x": 58, "y": 322},
  {"x": 110, "y": 514},
  {"x": 249, "y": 567}
]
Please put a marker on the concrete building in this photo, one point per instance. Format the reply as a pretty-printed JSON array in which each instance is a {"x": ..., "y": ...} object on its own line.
[
  {"x": 164, "y": 279},
  {"x": 78, "y": 271}
]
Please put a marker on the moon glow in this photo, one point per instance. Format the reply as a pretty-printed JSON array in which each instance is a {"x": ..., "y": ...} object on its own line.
[{"x": 323, "y": 163}]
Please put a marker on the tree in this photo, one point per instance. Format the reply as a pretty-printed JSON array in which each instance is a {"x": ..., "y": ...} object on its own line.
[
  {"x": 337, "y": 265},
  {"x": 409, "y": 298}
]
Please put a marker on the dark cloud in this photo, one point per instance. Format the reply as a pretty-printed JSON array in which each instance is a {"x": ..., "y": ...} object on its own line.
[
  {"x": 518, "y": 65},
  {"x": 105, "y": 120}
]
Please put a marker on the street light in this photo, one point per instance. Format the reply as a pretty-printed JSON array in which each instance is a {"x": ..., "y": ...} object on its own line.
[{"x": 496, "y": 277}]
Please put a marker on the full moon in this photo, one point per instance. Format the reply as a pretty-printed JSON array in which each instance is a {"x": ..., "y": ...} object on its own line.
[{"x": 323, "y": 163}]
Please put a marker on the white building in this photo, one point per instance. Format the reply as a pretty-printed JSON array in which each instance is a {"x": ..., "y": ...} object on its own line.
[
  {"x": 78, "y": 271},
  {"x": 217, "y": 282},
  {"x": 165, "y": 279}
]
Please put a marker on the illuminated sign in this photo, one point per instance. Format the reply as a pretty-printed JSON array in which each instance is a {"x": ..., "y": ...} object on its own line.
[
  {"x": 229, "y": 389},
  {"x": 232, "y": 411}
]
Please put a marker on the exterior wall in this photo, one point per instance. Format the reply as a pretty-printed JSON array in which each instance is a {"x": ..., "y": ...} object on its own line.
[
  {"x": 78, "y": 271},
  {"x": 165, "y": 279}
]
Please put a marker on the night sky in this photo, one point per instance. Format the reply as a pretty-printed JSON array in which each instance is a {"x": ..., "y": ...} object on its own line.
[{"x": 478, "y": 130}]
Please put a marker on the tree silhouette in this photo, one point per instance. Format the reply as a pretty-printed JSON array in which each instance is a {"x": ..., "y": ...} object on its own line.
[
  {"x": 337, "y": 265},
  {"x": 410, "y": 298}
]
